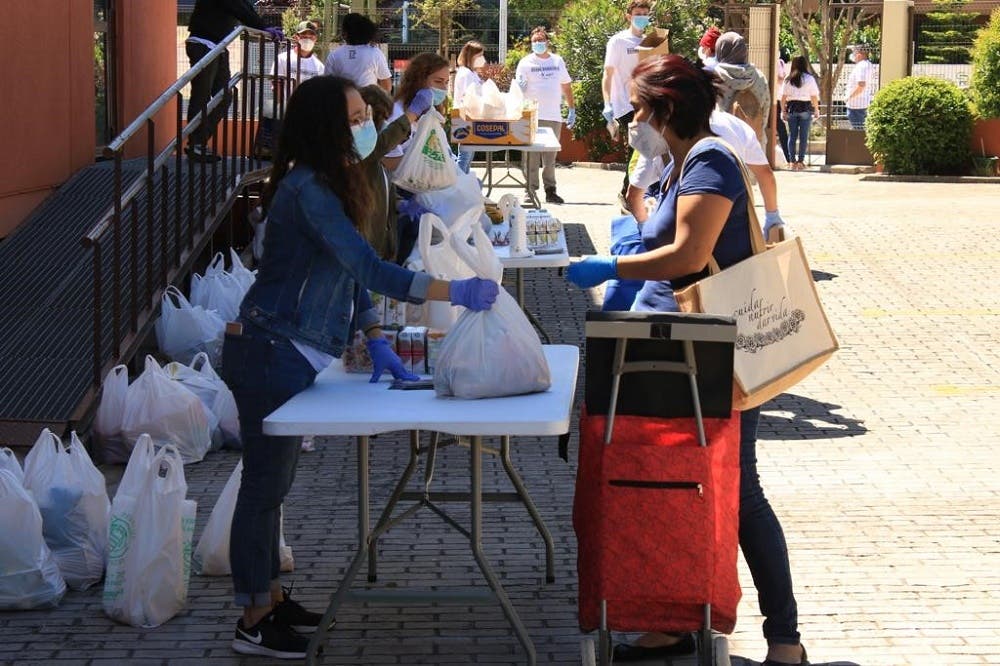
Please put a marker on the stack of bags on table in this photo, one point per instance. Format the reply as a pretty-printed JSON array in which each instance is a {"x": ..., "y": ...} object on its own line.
[{"x": 187, "y": 327}]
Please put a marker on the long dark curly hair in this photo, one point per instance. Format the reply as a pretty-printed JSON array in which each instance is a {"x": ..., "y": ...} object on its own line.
[
  {"x": 415, "y": 75},
  {"x": 316, "y": 132}
]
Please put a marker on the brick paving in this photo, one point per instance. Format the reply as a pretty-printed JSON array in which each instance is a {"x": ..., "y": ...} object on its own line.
[{"x": 882, "y": 466}]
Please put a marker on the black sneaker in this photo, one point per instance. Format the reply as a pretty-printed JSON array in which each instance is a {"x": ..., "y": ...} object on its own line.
[
  {"x": 269, "y": 638},
  {"x": 199, "y": 152},
  {"x": 291, "y": 614},
  {"x": 552, "y": 197}
]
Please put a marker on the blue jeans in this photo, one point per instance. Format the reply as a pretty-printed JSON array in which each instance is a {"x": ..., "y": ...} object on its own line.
[
  {"x": 263, "y": 371},
  {"x": 464, "y": 160},
  {"x": 798, "y": 129},
  {"x": 763, "y": 543},
  {"x": 857, "y": 118}
]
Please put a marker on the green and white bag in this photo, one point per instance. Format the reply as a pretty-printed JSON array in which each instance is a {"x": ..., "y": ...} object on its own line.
[{"x": 427, "y": 164}]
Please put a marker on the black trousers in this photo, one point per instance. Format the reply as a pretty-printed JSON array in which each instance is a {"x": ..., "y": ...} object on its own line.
[
  {"x": 210, "y": 81},
  {"x": 782, "y": 132}
]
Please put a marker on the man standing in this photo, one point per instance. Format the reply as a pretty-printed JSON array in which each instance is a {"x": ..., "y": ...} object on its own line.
[
  {"x": 620, "y": 58},
  {"x": 544, "y": 78},
  {"x": 860, "y": 86},
  {"x": 211, "y": 22}
]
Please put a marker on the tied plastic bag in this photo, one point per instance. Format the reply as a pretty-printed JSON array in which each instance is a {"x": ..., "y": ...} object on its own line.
[
  {"x": 211, "y": 556},
  {"x": 427, "y": 163},
  {"x": 108, "y": 436},
  {"x": 166, "y": 411},
  {"x": 218, "y": 290},
  {"x": 243, "y": 275},
  {"x": 149, "y": 558},
  {"x": 183, "y": 329},
  {"x": 452, "y": 203},
  {"x": 73, "y": 502},
  {"x": 441, "y": 261},
  {"x": 8, "y": 461},
  {"x": 220, "y": 405},
  {"x": 29, "y": 575},
  {"x": 491, "y": 104},
  {"x": 495, "y": 352}
]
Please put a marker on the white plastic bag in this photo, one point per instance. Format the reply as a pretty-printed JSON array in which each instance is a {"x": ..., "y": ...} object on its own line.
[
  {"x": 29, "y": 575},
  {"x": 441, "y": 261},
  {"x": 183, "y": 329},
  {"x": 113, "y": 446},
  {"x": 452, "y": 203},
  {"x": 427, "y": 163},
  {"x": 202, "y": 380},
  {"x": 149, "y": 562},
  {"x": 495, "y": 352},
  {"x": 73, "y": 502},
  {"x": 243, "y": 275},
  {"x": 168, "y": 412},
  {"x": 8, "y": 461},
  {"x": 218, "y": 290}
]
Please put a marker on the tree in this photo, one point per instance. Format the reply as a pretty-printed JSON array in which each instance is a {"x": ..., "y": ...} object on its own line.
[
  {"x": 439, "y": 15},
  {"x": 986, "y": 69},
  {"x": 824, "y": 29}
]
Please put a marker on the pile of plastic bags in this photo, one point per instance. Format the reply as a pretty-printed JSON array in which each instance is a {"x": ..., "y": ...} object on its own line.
[{"x": 491, "y": 104}]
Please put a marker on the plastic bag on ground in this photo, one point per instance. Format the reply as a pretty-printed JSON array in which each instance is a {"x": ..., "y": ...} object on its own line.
[
  {"x": 149, "y": 559},
  {"x": 168, "y": 412},
  {"x": 8, "y": 461},
  {"x": 107, "y": 431},
  {"x": 211, "y": 556},
  {"x": 73, "y": 501},
  {"x": 202, "y": 380},
  {"x": 243, "y": 275},
  {"x": 495, "y": 352},
  {"x": 29, "y": 575},
  {"x": 218, "y": 289},
  {"x": 183, "y": 330},
  {"x": 427, "y": 163}
]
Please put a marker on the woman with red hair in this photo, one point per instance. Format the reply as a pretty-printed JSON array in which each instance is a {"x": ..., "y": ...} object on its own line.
[{"x": 701, "y": 213}]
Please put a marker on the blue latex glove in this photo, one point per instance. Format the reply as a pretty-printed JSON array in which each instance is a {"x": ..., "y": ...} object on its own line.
[
  {"x": 592, "y": 271},
  {"x": 473, "y": 293},
  {"x": 570, "y": 118},
  {"x": 772, "y": 219},
  {"x": 608, "y": 113},
  {"x": 384, "y": 358},
  {"x": 411, "y": 209},
  {"x": 423, "y": 100},
  {"x": 275, "y": 33}
]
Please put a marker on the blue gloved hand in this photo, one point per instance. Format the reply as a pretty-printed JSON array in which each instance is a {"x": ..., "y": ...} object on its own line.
[
  {"x": 423, "y": 100},
  {"x": 592, "y": 271},
  {"x": 608, "y": 113},
  {"x": 411, "y": 209},
  {"x": 275, "y": 33},
  {"x": 570, "y": 118},
  {"x": 772, "y": 220},
  {"x": 384, "y": 358},
  {"x": 473, "y": 293}
]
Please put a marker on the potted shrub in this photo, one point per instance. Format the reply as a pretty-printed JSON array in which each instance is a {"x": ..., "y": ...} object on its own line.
[
  {"x": 985, "y": 89},
  {"x": 920, "y": 126}
]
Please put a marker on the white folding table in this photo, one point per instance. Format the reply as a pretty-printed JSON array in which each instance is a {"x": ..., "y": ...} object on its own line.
[
  {"x": 347, "y": 404},
  {"x": 545, "y": 141},
  {"x": 559, "y": 258}
]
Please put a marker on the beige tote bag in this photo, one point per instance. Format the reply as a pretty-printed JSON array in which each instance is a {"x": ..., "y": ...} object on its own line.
[{"x": 782, "y": 331}]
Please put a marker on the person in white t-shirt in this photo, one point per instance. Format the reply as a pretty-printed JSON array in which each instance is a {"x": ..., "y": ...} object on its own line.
[
  {"x": 860, "y": 87},
  {"x": 359, "y": 59},
  {"x": 425, "y": 70},
  {"x": 620, "y": 58},
  {"x": 743, "y": 139},
  {"x": 468, "y": 76},
  {"x": 799, "y": 106},
  {"x": 296, "y": 65},
  {"x": 543, "y": 77}
]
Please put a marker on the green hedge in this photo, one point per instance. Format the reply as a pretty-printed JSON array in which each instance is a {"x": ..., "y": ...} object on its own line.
[
  {"x": 986, "y": 69},
  {"x": 920, "y": 125}
]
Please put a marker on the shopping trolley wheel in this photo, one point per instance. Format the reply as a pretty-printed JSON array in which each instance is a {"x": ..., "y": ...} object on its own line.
[{"x": 588, "y": 651}]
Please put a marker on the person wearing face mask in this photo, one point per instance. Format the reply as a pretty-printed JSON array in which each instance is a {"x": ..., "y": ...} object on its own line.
[
  {"x": 745, "y": 91},
  {"x": 359, "y": 59},
  {"x": 309, "y": 297},
  {"x": 860, "y": 87},
  {"x": 468, "y": 76},
  {"x": 544, "y": 78},
  {"x": 620, "y": 58},
  {"x": 701, "y": 215},
  {"x": 425, "y": 71}
]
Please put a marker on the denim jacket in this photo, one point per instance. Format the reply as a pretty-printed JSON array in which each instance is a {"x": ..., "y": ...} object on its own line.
[{"x": 314, "y": 263}]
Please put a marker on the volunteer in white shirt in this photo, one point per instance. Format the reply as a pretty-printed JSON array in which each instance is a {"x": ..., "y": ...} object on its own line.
[
  {"x": 620, "y": 58},
  {"x": 799, "y": 106},
  {"x": 860, "y": 87},
  {"x": 359, "y": 59},
  {"x": 543, "y": 77},
  {"x": 298, "y": 65},
  {"x": 468, "y": 76},
  {"x": 744, "y": 141}
]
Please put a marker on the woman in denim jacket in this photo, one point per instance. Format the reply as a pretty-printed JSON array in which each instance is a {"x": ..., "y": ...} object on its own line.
[{"x": 309, "y": 297}]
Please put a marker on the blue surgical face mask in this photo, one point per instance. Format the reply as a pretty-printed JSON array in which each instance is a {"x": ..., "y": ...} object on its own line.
[
  {"x": 539, "y": 47},
  {"x": 365, "y": 138},
  {"x": 439, "y": 95},
  {"x": 640, "y": 22}
]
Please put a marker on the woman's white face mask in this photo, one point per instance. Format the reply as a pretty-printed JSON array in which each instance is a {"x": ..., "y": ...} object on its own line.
[{"x": 644, "y": 138}]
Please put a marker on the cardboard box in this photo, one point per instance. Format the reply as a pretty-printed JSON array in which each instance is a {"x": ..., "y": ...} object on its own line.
[
  {"x": 655, "y": 43},
  {"x": 473, "y": 131}
]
